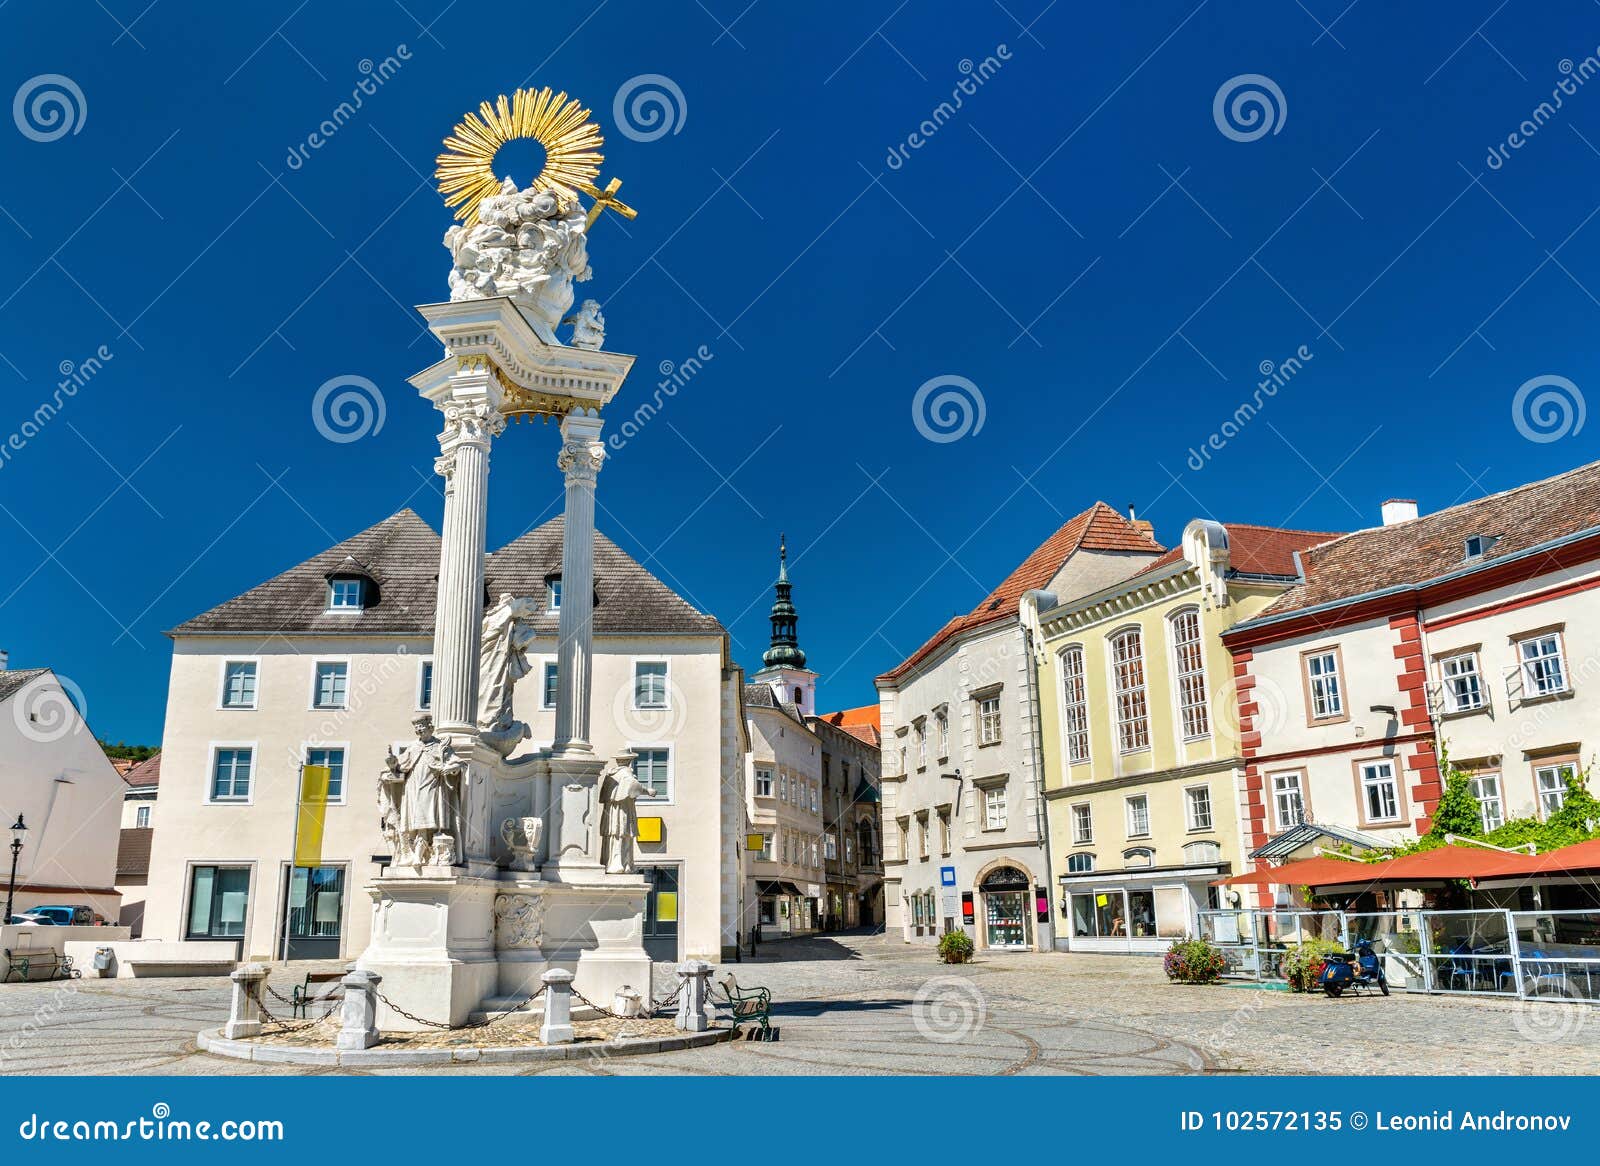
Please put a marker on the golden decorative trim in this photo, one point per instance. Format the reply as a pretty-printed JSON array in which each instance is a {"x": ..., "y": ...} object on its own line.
[{"x": 571, "y": 142}]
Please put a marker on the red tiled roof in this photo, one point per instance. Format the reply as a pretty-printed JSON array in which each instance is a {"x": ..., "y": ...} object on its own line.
[
  {"x": 861, "y": 723},
  {"x": 145, "y": 775},
  {"x": 1421, "y": 549},
  {"x": 1099, "y": 528},
  {"x": 1257, "y": 550}
]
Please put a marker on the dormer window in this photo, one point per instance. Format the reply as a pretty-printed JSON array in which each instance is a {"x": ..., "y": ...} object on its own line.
[
  {"x": 1479, "y": 545},
  {"x": 552, "y": 593},
  {"x": 346, "y": 593}
]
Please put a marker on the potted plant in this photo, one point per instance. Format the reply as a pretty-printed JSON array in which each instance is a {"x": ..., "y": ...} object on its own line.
[
  {"x": 955, "y": 947},
  {"x": 1194, "y": 961},
  {"x": 1302, "y": 963}
]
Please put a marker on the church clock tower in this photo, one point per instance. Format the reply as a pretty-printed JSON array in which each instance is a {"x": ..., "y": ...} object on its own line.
[{"x": 784, "y": 663}]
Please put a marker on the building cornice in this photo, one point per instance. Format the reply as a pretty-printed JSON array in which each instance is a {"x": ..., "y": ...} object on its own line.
[{"x": 1182, "y": 773}]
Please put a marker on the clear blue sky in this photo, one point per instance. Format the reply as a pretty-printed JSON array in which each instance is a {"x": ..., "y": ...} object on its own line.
[{"x": 1079, "y": 240}]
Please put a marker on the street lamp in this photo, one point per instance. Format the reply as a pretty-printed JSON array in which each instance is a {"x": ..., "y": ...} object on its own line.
[{"x": 18, "y": 829}]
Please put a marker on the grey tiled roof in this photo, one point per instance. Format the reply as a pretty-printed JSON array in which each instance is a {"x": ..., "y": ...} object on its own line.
[
  {"x": 401, "y": 556},
  {"x": 12, "y": 681},
  {"x": 761, "y": 695}
]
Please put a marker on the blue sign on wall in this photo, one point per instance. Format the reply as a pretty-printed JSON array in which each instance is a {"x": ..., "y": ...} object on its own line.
[{"x": 947, "y": 876}]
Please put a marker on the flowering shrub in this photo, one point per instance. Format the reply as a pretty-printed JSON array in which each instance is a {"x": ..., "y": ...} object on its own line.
[
  {"x": 955, "y": 947},
  {"x": 1302, "y": 963},
  {"x": 1194, "y": 961}
]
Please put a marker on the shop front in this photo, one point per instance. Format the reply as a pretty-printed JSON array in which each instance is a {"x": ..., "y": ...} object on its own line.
[
  {"x": 783, "y": 909},
  {"x": 1139, "y": 911},
  {"x": 1007, "y": 907}
]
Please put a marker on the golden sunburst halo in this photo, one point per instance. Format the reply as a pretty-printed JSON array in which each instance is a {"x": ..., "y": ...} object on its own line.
[{"x": 561, "y": 125}]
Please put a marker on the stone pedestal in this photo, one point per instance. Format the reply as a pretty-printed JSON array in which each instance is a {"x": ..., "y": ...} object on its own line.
[
  {"x": 432, "y": 944},
  {"x": 574, "y": 819},
  {"x": 244, "y": 1011},
  {"x": 358, "y": 1021},
  {"x": 597, "y": 931}
]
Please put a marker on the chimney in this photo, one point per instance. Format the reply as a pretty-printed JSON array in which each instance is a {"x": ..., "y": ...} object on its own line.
[
  {"x": 1398, "y": 510},
  {"x": 5, "y": 659},
  {"x": 1138, "y": 523}
]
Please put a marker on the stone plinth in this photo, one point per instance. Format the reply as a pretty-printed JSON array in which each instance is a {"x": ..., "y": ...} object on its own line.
[{"x": 433, "y": 944}]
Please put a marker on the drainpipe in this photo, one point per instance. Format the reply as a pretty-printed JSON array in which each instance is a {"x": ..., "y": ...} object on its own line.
[{"x": 1033, "y": 641}]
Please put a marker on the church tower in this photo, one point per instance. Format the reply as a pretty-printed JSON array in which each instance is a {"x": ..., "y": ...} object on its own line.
[{"x": 784, "y": 663}]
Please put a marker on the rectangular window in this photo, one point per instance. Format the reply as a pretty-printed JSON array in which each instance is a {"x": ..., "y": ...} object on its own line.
[
  {"x": 552, "y": 684},
  {"x": 1138, "y": 816},
  {"x": 230, "y": 775},
  {"x": 944, "y": 832},
  {"x": 922, "y": 837},
  {"x": 783, "y": 787},
  {"x": 239, "y": 684},
  {"x": 989, "y": 721},
  {"x": 1197, "y": 805},
  {"x": 1288, "y": 799},
  {"x": 1082, "y": 824},
  {"x": 218, "y": 898},
  {"x": 1075, "y": 699},
  {"x": 763, "y": 783},
  {"x": 1324, "y": 689},
  {"x": 922, "y": 745},
  {"x": 1486, "y": 787},
  {"x": 1380, "y": 794},
  {"x": 1551, "y": 782},
  {"x": 994, "y": 808},
  {"x": 815, "y": 861},
  {"x": 944, "y": 735},
  {"x": 334, "y": 760},
  {"x": 766, "y": 848},
  {"x": 425, "y": 686},
  {"x": 1189, "y": 655},
  {"x": 650, "y": 684},
  {"x": 651, "y": 767},
  {"x": 344, "y": 595},
  {"x": 1544, "y": 671},
  {"x": 816, "y": 804},
  {"x": 332, "y": 684},
  {"x": 1133, "y": 715},
  {"x": 830, "y": 847},
  {"x": 552, "y": 594},
  {"x": 1463, "y": 687},
  {"x": 141, "y": 817}
]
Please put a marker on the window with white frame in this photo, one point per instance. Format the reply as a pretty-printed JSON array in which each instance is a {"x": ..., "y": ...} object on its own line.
[
  {"x": 1189, "y": 657},
  {"x": 830, "y": 847},
  {"x": 1197, "y": 806},
  {"x": 1463, "y": 686},
  {"x": 849, "y": 848},
  {"x": 653, "y": 768},
  {"x": 994, "y": 808},
  {"x": 763, "y": 782},
  {"x": 333, "y": 760},
  {"x": 552, "y": 683},
  {"x": 141, "y": 817},
  {"x": 552, "y": 593},
  {"x": 783, "y": 787},
  {"x": 650, "y": 684},
  {"x": 944, "y": 733},
  {"x": 766, "y": 848},
  {"x": 332, "y": 684},
  {"x": 1324, "y": 686},
  {"x": 1288, "y": 799},
  {"x": 786, "y": 846},
  {"x": 922, "y": 836},
  {"x": 944, "y": 832},
  {"x": 1132, "y": 711},
  {"x": 1380, "y": 793},
  {"x": 1081, "y": 863},
  {"x": 1544, "y": 670},
  {"x": 425, "y": 686},
  {"x": 345, "y": 594},
  {"x": 922, "y": 744},
  {"x": 230, "y": 775},
  {"x": 989, "y": 720},
  {"x": 1551, "y": 782},
  {"x": 1075, "y": 703},
  {"x": 1486, "y": 788},
  {"x": 1082, "y": 824},
  {"x": 1138, "y": 807},
  {"x": 239, "y": 684}
]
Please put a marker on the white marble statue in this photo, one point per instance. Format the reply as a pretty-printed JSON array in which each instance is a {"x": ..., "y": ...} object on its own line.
[
  {"x": 502, "y": 661},
  {"x": 588, "y": 326},
  {"x": 522, "y": 837},
  {"x": 527, "y": 245},
  {"x": 620, "y": 791},
  {"x": 420, "y": 799}
]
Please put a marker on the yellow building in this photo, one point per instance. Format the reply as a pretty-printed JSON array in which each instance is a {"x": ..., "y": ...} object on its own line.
[{"x": 1139, "y": 731}]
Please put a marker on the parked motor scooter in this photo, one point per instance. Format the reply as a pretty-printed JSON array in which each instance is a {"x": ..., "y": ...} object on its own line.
[{"x": 1345, "y": 970}]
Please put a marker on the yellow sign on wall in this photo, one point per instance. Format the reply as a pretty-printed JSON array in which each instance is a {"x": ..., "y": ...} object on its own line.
[
  {"x": 313, "y": 809},
  {"x": 755, "y": 842},
  {"x": 650, "y": 829}
]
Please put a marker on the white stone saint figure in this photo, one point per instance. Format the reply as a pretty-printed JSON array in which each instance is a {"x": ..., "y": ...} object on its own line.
[
  {"x": 620, "y": 791},
  {"x": 420, "y": 799},
  {"x": 502, "y": 661},
  {"x": 588, "y": 326}
]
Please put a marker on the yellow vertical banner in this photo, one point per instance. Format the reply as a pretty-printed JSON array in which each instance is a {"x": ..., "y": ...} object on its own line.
[{"x": 309, "y": 816}]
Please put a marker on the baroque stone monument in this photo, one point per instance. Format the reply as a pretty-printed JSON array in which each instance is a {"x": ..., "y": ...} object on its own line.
[{"x": 507, "y": 862}]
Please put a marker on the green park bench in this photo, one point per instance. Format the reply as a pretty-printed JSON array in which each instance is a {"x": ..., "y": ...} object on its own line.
[
  {"x": 749, "y": 1006},
  {"x": 23, "y": 964}
]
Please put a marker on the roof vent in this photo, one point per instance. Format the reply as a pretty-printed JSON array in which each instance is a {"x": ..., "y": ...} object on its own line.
[
  {"x": 1397, "y": 510},
  {"x": 1479, "y": 545}
]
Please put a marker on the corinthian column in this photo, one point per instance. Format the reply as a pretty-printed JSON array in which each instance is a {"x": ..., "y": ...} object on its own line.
[
  {"x": 472, "y": 420},
  {"x": 580, "y": 458}
]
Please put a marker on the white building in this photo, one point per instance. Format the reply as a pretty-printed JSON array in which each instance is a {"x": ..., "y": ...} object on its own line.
[
  {"x": 54, "y": 774},
  {"x": 143, "y": 782},
  {"x": 963, "y": 812},
  {"x": 328, "y": 663}
]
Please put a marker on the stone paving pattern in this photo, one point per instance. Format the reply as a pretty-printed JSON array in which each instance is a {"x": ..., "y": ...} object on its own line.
[{"x": 850, "y": 1005}]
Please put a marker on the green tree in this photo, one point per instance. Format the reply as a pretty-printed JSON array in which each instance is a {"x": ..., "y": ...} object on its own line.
[{"x": 1458, "y": 811}]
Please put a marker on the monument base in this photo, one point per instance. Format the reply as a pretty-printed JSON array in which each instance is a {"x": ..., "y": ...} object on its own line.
[{"x": 433, "y": 944}]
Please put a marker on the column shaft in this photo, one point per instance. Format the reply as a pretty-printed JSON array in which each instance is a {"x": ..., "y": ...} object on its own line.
[{"x": 580, "y": 459}]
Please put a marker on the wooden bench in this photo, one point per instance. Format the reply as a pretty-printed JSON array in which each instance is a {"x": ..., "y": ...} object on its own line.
[
  {"x": 302, "y": 997},
  {"x": 749, "y": 1006},
  {"x": 23, "y": 963}
]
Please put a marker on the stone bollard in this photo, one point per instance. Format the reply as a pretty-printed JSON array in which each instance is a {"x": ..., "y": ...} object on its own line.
[
  {"x": 244, "y": 1012},
  {"x": 358, "y": 1028},
  {"x": 556, "y": 1029},
  {"x": 695, "y": 976}
]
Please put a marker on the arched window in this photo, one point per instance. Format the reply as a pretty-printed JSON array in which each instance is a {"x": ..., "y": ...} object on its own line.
[
  {"x": 1080, "y": 863},
  {"x": 1202, "y": 853},
  {"x": 1075, "y": 705},
  {"x": 1138, "y": 856},
  {"x": 1132, "y": 709},
  {"x": 1189, "y": 663}
]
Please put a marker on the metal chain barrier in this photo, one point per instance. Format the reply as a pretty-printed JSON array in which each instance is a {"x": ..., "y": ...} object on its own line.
[
  {"x": 467, "y": 1027},
  {"x": 290, "y": 1025}
]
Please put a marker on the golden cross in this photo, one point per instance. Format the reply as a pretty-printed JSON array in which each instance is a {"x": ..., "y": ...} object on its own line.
[{"x": 606, "y": 200}]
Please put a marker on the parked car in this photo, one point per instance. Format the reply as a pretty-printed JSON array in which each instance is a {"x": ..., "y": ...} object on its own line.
[
  {"x": 36, "y": 920},
  {"x": 75, "y": 915}
]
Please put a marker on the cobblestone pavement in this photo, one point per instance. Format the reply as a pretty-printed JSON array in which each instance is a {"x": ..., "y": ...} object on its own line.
[{"x": 858, "y": 1004}]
